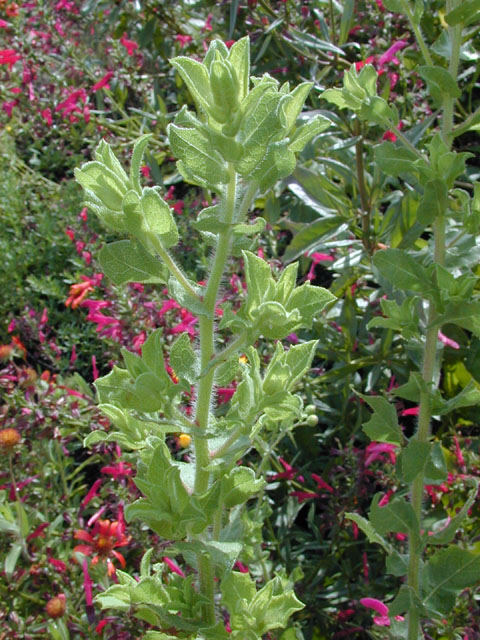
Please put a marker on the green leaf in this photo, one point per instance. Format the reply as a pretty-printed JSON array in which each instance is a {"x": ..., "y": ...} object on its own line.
[
  {"x": 11, "y": 559},
  {"x": 274, "y": 604},
  {"x": 436, "y": 470},
  {"x": 258, "y": 276},
  {"x": 127, "y": 261},
  {"x": 434, "y": 201},
  {"x": 183, "y": 358},
  {"x": 239, "y": 486},
  {"x": 152, "y": 354},
  {"x": 394, "y": 160},
  {"x": 157, "y": 217},
  {"x": 137, "y": 156},
  {"x": 299, "y": 360},
  {"x": 383, "y": 425},
  {"x": 367, "y": 528},
  {"x": 308, "y": 236},
  {"x": 440, "y": 83},
  {"x": 447, "y": 533},
  {"x": 399, "y": 268},
  {"x": 239, "y": 58},
  {"x": 466, "y": 13},
  {"x": 185, "y": 300},
  {"x": 202, "y": 165},
  {"x": 406, "y": 600},
  {"x": 307, "y": 132},
  {"x": 293, "y": 107},
  {"x": 238, "y": 590},
  {"x": 279, "y": 162},
  {"x": 397, "y": 516},
  {"x": 446, "y": 574},
  {"x": 196, "y": 78},
  {"x": 310, "y": 301},
  {"x": 414, "y": 459}
]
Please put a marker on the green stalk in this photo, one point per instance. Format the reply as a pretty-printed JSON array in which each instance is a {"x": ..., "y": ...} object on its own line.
[
  {"x": 418, "y": 34},
  {"x": 205, "y": 385},
  {"x": 430, "y": 349}
]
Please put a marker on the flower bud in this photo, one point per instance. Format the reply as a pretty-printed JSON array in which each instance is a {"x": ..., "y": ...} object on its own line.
[{"x": 56, "y": 606}]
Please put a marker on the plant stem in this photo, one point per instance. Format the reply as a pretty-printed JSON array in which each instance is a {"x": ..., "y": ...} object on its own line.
[
  {"x": 366, "y": 240},
  {"x": 205, "y": 385},
  {"x": 18, "y": 507},
  {"x": 418, "y": 34},
  {"x": 430, "y": 349},
  {"x": 174, "y": 268}
]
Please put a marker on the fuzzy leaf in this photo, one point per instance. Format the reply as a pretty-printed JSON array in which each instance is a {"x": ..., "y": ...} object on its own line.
[
  {"x": 127, "y": 261},
  {"x": 137, "y": 156},
  {"x": 383, "y": 425}
]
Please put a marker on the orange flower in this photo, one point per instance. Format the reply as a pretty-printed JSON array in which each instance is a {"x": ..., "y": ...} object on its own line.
[
  {"x": 105, "y": 537},
  {"x": 9, "y": 438},
  {"x": 78, "y": 293}
]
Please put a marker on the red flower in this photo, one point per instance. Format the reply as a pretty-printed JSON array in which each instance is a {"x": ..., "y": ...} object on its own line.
[
  {"x": 103, "y": 82},
  {"x": 129, "y": 45},
  {"x": 105, "y": 537}
]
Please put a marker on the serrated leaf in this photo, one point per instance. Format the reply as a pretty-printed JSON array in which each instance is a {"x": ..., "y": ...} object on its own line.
[
  {"x": 383, "y": 425},
  {"x": 367, "y": 528},
  {"x": 446, "y": 574},
  {"x": 397, "y": 516},
  {"x": 310, "y": 301},
  {"x": 258, "y": 276},
  {"x": 306, "y": 132},
  {"x": 127, "y": 261},
  {"x": 414, "y": 459}
]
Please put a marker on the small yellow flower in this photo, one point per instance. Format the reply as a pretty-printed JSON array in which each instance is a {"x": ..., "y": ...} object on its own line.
[
  {"x": 184, "y": 440},
  {"x": 243, "y": 359}
]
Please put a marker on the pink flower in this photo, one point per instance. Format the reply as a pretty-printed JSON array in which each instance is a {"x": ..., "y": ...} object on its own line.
[
  {"x": 239, "y": 566},
  {"x": 389, "y": 55},
  {"x": 289, "y": 473},
  {"x": 91, "y": 494},
  {"x": 38, "y": 533},
  {"x": 9, "y": 106},
  {"x": 3, "y": 24},
  {"x": 118, "y": 470},
  {"x": 448, "y": 341},
  {"x": 224, "y": 394},
  {"x": 375, "y": 450},
  {"x": 183, "y": 39},
  {"x": 145, "y": 171},
  {"x": 385, "y": 499},
  {"x": 103, "y": 82},
  {"x": 413, "y": 411},
  {"x": 321, "y": 484},
  {"x": 47, "y": 116},
  {"x": 188, "y": 320},
  {"x": 57, "y": 564},
  {"x": 316, "y": 258},
  {"x": 458, "y": 452},
  {"x": 390, "y": 136},
  {"x": 208, "y": 23},
  {"x": 129, "y": 45},
  {"x": 9, "y": 56},
  {"x": 382, "y": 619},
  {"x": 173, "y": 566}
]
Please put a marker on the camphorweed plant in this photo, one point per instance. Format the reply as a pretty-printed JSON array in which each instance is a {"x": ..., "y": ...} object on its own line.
[
  {"x": 242, "y": 139},
  {"x": 431, "y": 277}
]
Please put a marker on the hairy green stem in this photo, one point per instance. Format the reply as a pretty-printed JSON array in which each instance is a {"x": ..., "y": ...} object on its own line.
[
  {"x": 430, "y": 348},
  {"x": 205, "y": 385},
  {"x": 416, "y": 30},
  {"x": 364, "y": 200}
]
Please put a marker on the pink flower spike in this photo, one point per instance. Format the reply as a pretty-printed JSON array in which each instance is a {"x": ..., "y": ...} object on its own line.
[
  {"x": 375, "y": 450},
  {"x": 92, "y": 493},
  {"x": 389, "y": 55},
  {"x": 413, "y": 411},
  {"x": 3, "y": 24},
  {"x": 321, "y": 484},
  {"x": 458, "y": 452},
  {"x": 173, "y": 566},
  {"x": 103, "y": 82},
  {"x": 96, "y": 516},
  {"x": 448, "y": 341}
]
